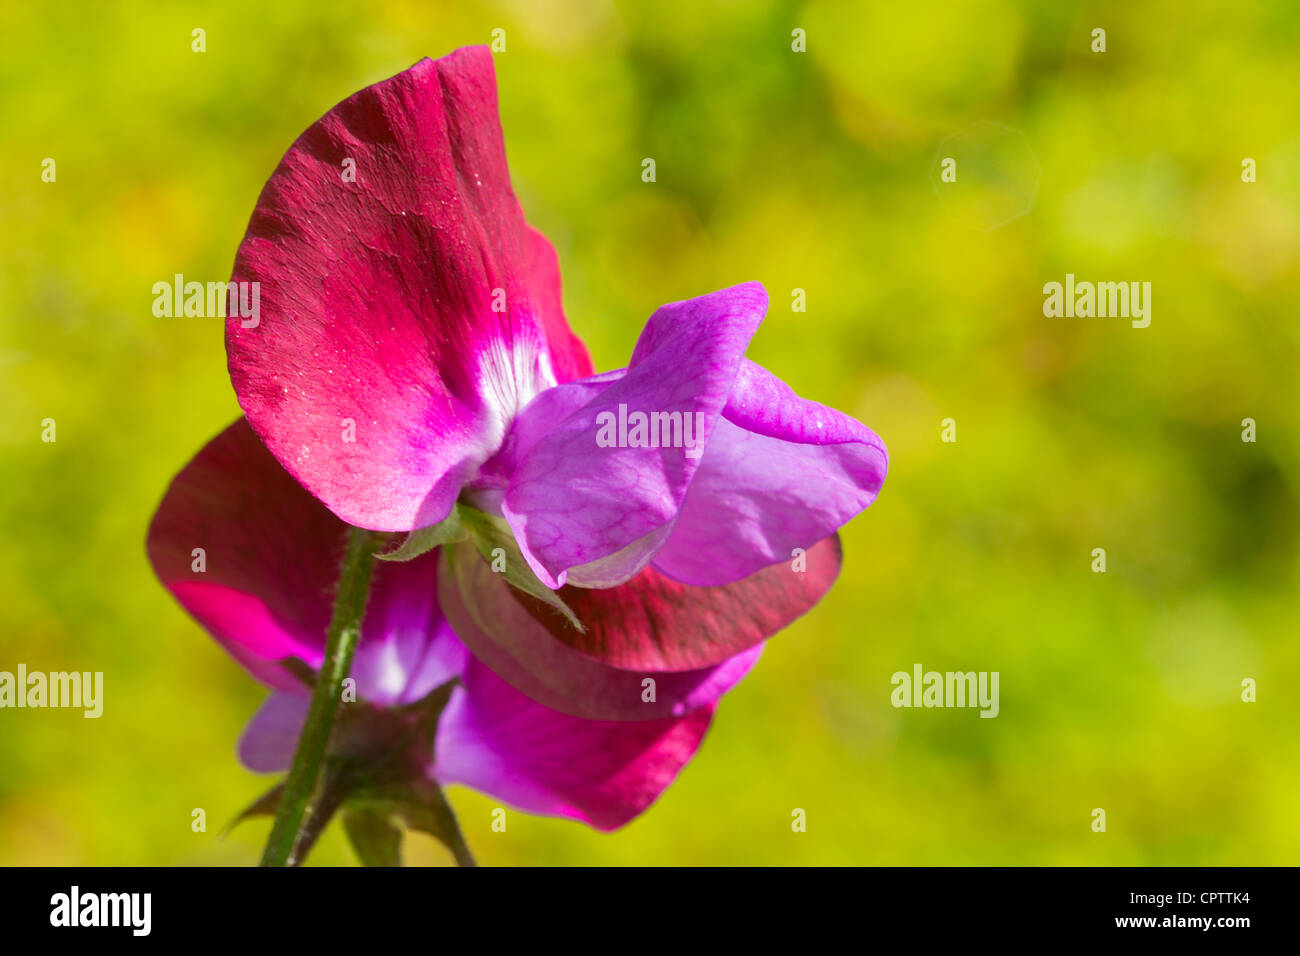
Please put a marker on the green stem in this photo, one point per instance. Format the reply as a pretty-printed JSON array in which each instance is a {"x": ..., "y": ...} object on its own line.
[{"x": 345, "y": 629}]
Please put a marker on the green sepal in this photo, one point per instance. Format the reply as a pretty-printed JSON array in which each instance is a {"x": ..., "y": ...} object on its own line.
[
  {"x": 490, "y": 533},
  {"x": 264, "y": 806},
  {"x": 423, "y": 540},
  {"x": 421, "y": 805},
  {"x": 375, "y": 839}
]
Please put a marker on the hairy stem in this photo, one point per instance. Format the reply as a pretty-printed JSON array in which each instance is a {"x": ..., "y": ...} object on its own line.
[{"x": 345, "y": 628}]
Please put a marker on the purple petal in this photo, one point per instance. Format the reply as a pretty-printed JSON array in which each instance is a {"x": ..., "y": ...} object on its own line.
[
  {"x": 495, "y": 739},
  {"x": 604, "y": 511},
  {"x": 407, "y": 647},
  {"x": 780, "y": 473},
  {"x": 271, "y": 737}
]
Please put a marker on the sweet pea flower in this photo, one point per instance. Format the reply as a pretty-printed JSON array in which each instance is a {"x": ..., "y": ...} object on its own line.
[
  {"x": 264, "y": 589},
  {"x": 412, "y": 359}
]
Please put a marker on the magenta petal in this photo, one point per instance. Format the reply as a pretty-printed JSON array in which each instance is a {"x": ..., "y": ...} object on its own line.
[
  {"x": 271, "y": 737},
  {"x": 602, "y": 512},
  {"x": 404, "y": 316},
  {"x": 650, "y": 624},
  {"x": 270, "y": 556},
  {"x": 509, "y": 636},
  {"x": 495, "y": 739},
  {"x": 780, "y": 474}
]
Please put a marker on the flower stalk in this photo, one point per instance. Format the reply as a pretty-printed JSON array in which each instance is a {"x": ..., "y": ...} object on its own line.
[{"x": 302, "y": 784}]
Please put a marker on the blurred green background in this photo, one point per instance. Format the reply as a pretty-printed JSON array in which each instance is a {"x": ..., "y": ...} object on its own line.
[{"x": 802, "y": 170}]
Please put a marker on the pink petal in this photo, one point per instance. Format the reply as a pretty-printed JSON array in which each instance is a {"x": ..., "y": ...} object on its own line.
[
  {"x": 505, "y": 634},
  {"x": 780, "y": 473},
  {"x": 377, "y": 299},
  {"x": 271, "y": 555},
  {"x": 494, "y": 739},
  {"x": 648, "y": 625}
]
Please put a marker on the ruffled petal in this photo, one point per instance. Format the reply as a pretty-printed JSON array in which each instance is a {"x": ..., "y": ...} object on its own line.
[
  {"x": 404, "y": 315},
  {"x": 589, "y": 499},
  {"x": 780, "y": 473}
]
